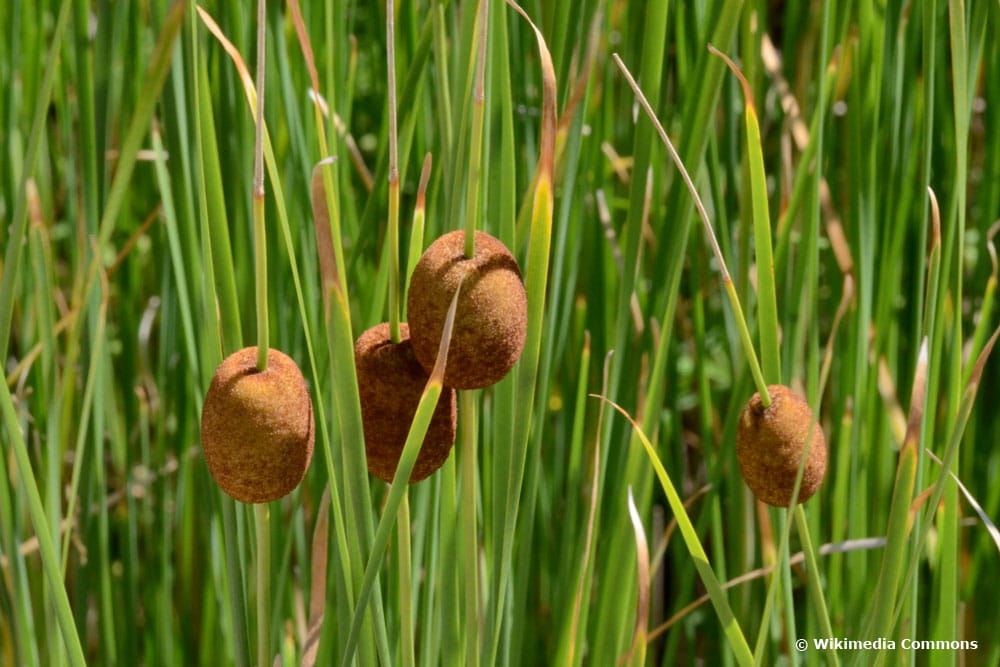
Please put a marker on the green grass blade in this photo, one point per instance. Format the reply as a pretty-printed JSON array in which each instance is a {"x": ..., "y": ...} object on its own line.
[
  {"x": 400, "y": 481},
  {"x": 730, "y": 625},
  {"x": 767, "y": 301}
]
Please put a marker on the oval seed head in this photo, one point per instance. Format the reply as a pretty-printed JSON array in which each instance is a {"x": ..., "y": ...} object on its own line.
[
  {"x": 390, "y": 384},
  {"x": 769, "y": 446},
  {"x": 491, "y": 320},
  {"x": 257, "y": 426}
]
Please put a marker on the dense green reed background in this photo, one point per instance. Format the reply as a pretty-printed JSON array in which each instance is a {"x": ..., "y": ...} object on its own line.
[{"x": 128, "y": 273}]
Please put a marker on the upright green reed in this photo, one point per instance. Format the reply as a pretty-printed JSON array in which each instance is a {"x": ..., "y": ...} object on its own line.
[{"x": 127, "y": 225}]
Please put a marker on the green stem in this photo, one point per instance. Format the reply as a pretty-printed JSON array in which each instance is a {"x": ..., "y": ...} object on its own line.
[
  {"x": 813, "y": 580},
  {"x": 394, "y": 331},
  {"x": 476, "y": 149},
  {"x": 467, "y": 412},
  {"x": 260, "y": 264},
  {"x": 259, "y": 234},
  {"x": 262, "y": 523},
  {"x": 407, "y": 658}
]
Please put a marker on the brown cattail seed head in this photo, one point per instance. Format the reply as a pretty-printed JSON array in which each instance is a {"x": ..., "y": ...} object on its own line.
[
  {"x": 491, "y": 320},
  {"x": 390, "y": 383},
  {"x": 257, "y": 426},
  {"x": 769, "y": 446}
]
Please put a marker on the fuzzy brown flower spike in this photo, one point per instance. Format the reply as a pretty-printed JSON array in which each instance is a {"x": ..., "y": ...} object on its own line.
[
  {"x": 257, "y": 426},
  {"x": 769, "y": 446},
  {"x": 492, "y": 318},
  {"x": 390, "y": 384}
]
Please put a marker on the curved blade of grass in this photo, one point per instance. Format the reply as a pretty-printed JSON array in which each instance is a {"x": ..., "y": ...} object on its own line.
[
  {"x": 730, "y": 626},
  {"x": 734, "y": 301},
  {"x": 698, "y": 110},
  {"x": 400, "y": 481},
  {"x": 767, "y": 316}
]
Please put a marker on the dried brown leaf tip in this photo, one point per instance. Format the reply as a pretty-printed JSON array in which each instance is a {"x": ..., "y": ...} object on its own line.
[
  {"x": 769, "y": 446},
  {"x": 390, "y": 384},
  {"x": 257, "y": 426},
  {"x": 492, "y": 318}
]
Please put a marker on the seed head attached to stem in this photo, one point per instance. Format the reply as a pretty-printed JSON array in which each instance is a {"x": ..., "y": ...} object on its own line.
[
  {"x": 491, "y": 322},
  {"x": 777, "y": 428},
  {"x": 390, "y": 380}
]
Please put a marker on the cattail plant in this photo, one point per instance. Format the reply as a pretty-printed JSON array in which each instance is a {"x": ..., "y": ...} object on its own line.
[
  {"x": 390, "y": 384},
  {"x": 770, "y": 442},
  {"x": 390, "y": 380},
  {"x": 492, "y": 318},
  {"x": 257, "y": 426}
]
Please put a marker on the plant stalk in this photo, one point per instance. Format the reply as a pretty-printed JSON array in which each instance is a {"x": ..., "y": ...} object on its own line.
[
  {"x": 476, "y": 149},
  {"x": 262, "y": 526},
  {"x": 395, "y": 335},
  {"x": 259, "y": 235}
]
